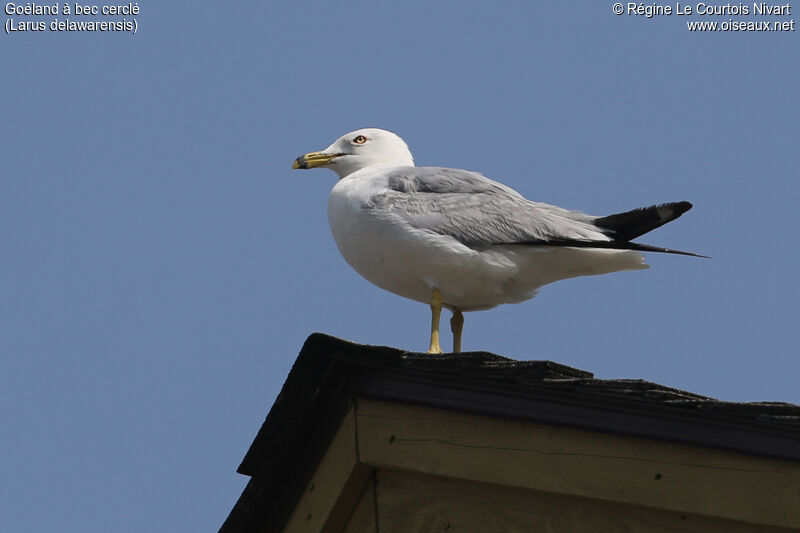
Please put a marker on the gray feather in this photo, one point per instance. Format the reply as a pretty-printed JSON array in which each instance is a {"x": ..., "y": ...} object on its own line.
[{"x": 475, "y": 210}]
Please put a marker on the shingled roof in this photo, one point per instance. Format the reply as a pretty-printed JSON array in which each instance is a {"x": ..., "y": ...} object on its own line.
[{"x": 329, "y": 373}]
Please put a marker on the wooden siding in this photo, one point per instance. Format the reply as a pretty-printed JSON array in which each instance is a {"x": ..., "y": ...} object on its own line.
[{"x": 393, "y": 468}]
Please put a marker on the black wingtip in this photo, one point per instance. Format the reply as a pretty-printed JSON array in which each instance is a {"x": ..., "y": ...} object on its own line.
[
  {"x": 635, "y": 223},
  {"x": 681, "y": 207},
  {"x": 611, "y": 245},
  {"x": 647, "y": 248}
]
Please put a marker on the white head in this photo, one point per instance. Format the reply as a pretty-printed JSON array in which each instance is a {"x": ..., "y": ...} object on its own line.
[{"x": 368, "y": 147}]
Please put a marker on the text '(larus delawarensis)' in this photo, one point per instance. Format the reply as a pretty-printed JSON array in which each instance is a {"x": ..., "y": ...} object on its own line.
[{"x": 457, "y": 239}]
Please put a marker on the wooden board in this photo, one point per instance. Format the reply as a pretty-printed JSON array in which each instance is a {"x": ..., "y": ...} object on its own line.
[
  {"x": 335, "y": 488},
  {"x": 418, "y": 503},
  {"x": 656, "y": 474},
  {"x": 363, "y": 519}
]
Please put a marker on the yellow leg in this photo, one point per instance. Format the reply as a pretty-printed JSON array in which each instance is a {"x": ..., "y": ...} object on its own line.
[
  {"x": 436, "y": 313},
  {"x": 457, "y": 326}
]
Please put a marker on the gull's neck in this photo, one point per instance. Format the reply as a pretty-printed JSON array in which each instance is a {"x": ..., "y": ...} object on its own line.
[{"x": 345, "y": 168}]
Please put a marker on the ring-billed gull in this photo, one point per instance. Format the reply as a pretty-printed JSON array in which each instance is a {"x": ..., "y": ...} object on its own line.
[{"x": 457, "y": 239}]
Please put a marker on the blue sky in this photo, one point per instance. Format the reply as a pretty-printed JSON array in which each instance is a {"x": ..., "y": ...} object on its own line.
[{"x": 162, "y": 265}]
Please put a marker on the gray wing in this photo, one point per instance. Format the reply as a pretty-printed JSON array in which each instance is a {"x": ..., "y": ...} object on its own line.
[{"x": 477, "y": 211}]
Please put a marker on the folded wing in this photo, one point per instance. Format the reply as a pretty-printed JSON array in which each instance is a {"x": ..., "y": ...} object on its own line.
[{"x": 480, "y": 212}]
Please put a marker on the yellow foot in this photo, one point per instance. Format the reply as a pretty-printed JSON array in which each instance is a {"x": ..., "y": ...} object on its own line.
[
  {"x": 436, "y": 313},
  {"x": 457, "y": 326}
]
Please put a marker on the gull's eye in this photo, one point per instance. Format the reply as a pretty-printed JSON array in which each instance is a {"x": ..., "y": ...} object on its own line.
[{"x": 360, "y": 139}]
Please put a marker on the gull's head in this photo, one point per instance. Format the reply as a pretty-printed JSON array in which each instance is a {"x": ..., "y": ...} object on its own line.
[{"x": 368, "y": 147}]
